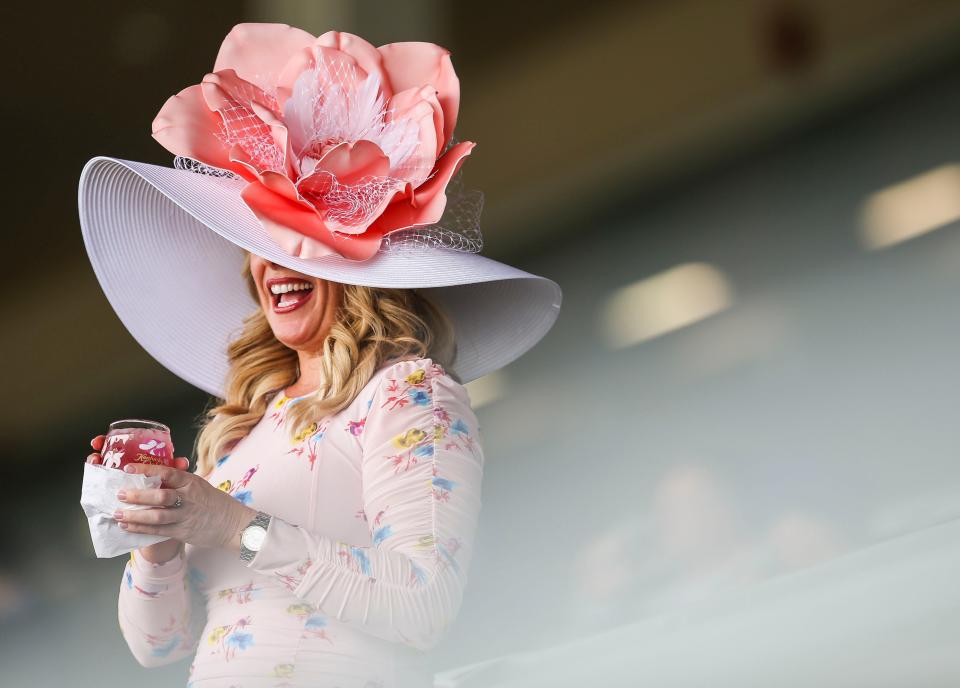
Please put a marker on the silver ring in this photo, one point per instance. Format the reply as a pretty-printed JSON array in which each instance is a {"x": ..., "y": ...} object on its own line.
[{"x": 179, "y": 501}]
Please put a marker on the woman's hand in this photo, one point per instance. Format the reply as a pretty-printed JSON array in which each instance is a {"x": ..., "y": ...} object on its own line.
[
  {"x": 160, "y": 552},
  {"x": 206, "y": 517}
]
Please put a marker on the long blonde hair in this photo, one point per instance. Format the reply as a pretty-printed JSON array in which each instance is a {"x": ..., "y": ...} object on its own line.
[{"x": 372, "y": 326}]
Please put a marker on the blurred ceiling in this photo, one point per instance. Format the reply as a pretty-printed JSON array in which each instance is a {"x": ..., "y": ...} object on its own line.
[{"x": 575, "y": 106}]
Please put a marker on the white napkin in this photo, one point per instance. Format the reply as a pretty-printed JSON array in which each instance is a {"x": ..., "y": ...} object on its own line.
[{"x": 98, "y": 497}]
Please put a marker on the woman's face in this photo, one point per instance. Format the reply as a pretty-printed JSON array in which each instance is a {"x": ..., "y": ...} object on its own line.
[{"x": 299, "y": 308}]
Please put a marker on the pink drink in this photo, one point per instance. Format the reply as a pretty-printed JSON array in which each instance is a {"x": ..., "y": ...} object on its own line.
[{"x": 137, "y": 441}]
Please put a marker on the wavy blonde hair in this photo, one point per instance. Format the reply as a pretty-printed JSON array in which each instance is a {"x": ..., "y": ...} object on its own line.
[{"x": 372, "y": 325}]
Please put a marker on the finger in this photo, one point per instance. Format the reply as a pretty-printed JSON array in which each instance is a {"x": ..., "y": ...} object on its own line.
[
  {"x": 94, "y": 458},
  {"x": 182, "y": 463},
  {"x": 148, "y": 516},
  {"x": 97, "y": 442},
  {"x": 150, "y": 529},
  {"x": 171, "y": 477},
  {"x": 150, "y": 497}
]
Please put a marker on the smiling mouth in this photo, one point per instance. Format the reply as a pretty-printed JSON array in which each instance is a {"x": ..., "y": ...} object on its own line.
[{"x": 288, "y": 294}]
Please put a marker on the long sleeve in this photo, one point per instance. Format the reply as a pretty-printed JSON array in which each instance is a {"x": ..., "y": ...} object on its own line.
[
  {"x": 156, "y": 611},
  {"x": 421, "y": 471}
]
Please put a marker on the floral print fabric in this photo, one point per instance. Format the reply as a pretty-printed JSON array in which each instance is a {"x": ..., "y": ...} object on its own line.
[{"x": 364, "y": 564}]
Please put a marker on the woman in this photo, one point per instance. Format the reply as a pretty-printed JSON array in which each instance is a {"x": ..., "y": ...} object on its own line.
[
  {"x": 326, "y": 534},
  {"x": 405, "y": 587}
]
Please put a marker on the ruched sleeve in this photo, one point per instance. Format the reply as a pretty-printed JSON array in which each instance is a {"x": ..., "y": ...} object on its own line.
[
  {"x": 156, "y": 611},
  {"x": 421, "y": 470}
]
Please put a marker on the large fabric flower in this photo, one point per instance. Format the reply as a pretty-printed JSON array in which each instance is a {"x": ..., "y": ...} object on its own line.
[{"x": 339, "y": 142}]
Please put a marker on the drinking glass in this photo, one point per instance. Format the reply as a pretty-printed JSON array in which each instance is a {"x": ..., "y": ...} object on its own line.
[{"x": 137, "y": 441}]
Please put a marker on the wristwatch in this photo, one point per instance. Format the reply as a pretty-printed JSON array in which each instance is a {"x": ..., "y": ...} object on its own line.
[{"x": 251, "y": 540}]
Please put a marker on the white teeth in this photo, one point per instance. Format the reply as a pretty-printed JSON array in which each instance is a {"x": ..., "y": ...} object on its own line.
[{"x": 290, "y": 286}]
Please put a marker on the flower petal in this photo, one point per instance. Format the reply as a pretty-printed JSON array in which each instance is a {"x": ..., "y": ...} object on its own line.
[
  {"x": 226, "y": 88},
  {"x": 281, "y": 184},
  {"x": 419, "y": 105},
  {"x": 365, "y": 54},
  {"x": 242, "y": 107},
  {"x": 415, "y": 63},
  {"x": 240, "y": 157},
  {"x": 342, "y": 70},
  {"x": 429, "y": 199},
  {"x": 447, "y": 166},
  {"x": 351, "y": 162},
  {"x": 258, "y": 52},
  {"x": 350, "y": 186},
  {"x": 291, "y": 223},
  {"x": 186, "y": 126},
  {"x": 280, "y": 135}
]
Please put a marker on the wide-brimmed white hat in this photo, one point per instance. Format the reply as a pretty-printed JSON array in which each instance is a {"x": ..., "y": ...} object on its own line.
[
  {"x": 167, "y": 246},
  {"x": 325, "y": 155}
]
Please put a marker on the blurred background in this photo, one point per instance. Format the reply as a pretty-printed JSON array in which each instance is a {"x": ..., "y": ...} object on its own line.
[{"x": 749, "y": 398}]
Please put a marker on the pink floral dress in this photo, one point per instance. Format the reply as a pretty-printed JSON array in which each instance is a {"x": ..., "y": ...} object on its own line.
[{"x": 365, "y": 561}]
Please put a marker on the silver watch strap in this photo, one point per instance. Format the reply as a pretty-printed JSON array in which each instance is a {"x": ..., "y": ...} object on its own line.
[{"x": 262, "y": 520}]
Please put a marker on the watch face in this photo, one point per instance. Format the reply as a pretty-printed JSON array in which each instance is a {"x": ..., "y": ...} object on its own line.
[{"x": 253, "y": 537}]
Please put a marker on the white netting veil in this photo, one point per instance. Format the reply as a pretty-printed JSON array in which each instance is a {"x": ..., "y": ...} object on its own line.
[
  {"x": 459, "y": 228},
  {"x": 190, "y": 165}
]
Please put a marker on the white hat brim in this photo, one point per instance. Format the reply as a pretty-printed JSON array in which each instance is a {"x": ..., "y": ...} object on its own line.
[{"x": 167, "y": 246}]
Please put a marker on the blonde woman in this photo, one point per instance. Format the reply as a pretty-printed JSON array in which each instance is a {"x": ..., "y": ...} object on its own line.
[{"x": 325, "y": 536}]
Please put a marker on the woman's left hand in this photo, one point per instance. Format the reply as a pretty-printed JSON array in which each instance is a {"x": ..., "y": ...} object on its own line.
[{"x": 206, "y": 517}]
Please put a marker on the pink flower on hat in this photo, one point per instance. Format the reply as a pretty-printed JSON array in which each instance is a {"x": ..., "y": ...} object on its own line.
[{"x": 340, "y": 142}]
